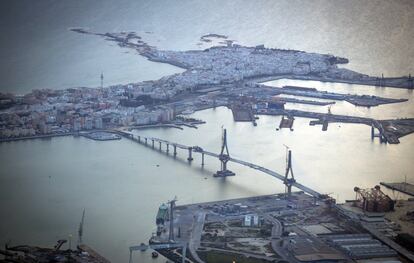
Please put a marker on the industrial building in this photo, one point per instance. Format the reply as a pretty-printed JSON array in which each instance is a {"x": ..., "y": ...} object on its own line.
[
  {"x": 360, "y": 246},
  {"x": 251, "y": 221}
]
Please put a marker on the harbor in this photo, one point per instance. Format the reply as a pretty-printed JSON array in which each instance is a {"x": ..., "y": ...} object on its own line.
[
  {"x": 129, "y": 157},
  {"x": 271, "y": 228},
  {"x": 357, "y": 100},
  {"x": 169, "y": 135},
  {"x": 211, "y": 231}
]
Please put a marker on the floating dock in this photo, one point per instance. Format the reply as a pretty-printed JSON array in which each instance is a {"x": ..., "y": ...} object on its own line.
[
  {"x": 403, "y": 187},
  {"x": 286, "y": 122},
  {"x": 242, "y": 113}
]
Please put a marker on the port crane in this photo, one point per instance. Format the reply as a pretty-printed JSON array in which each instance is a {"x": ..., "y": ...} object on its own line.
[{"x": 171, "y": 244}]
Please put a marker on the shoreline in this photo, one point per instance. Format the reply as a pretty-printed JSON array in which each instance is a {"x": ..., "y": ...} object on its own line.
[
  {"x": 368, "y": 82},
  {"x": 232, "y": 68}
]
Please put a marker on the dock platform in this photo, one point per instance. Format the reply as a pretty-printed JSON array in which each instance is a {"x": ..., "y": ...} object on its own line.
[{"x": 286, "y": 122}]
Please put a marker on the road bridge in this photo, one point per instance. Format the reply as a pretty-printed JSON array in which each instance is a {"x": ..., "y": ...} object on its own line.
[{"x": 197, "y": 149}]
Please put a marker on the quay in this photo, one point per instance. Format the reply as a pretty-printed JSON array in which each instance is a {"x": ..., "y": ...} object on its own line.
[
  {"x": 39, "y": 136},
  {"x": 243, "y": 113},
  {"x": 388, "y": 130},
  {"x": 101, "y": 136},
  {"x": 309, "y": 102},
  {"x": 269, "y": 228},
  {"x": 357, "y": 100},
  {"x": 403, "y": 82},
  {"x": 402, "y": 187},
  {"x": 149, "y": 126}
]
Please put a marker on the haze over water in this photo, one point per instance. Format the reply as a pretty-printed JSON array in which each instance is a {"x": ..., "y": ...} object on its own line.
[
  {"x": 45, "y": 184},
  {"x": 38, "y": 51}
]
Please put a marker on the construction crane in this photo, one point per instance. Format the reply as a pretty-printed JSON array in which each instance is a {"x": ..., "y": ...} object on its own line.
[{"x": 80, "y": 230}]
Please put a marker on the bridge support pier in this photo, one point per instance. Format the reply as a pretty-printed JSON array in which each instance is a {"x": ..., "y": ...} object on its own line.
[
  {"x": 372, "y": 132},
  {"x": 146, "y": 141},
  {"x": 153, "y": 144},
  {"x": 175, "y": 150},
  {"x": 168, "y": 148},
  {"x": 160, "y": 146},
  {"x": 190, "y": 154},
  {"x": 380, "y": 134},
  {"x": 202, "y": 159}
]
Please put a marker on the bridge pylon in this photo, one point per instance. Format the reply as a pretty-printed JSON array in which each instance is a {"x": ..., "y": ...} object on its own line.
[
  {"x": 289, "y": 181},
  {"x": 224, "y": 157}
]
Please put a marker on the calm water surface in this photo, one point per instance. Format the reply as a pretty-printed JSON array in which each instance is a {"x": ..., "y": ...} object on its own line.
[
  {"x": 38, "y": 51},
  {"x": 45, "y": 184}
]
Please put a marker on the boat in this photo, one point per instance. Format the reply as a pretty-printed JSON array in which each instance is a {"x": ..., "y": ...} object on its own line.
[{"x": 188, "y": 111}]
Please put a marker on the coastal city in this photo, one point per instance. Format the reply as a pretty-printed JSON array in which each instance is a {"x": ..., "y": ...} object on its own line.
[
  {"x": 218, "y": 76},
  {"x": 150, "y": 193}
]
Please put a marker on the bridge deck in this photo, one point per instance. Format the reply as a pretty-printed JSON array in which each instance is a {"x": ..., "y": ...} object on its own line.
[{"x": 251, "y": 165}]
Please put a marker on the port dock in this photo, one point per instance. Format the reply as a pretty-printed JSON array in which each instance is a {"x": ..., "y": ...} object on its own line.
[
  {"x": 272, "y": 228},
  {"x": 357, "y": 100},
  {"x": 243, "y": 113},
  {"x": 286, "y": 122}
]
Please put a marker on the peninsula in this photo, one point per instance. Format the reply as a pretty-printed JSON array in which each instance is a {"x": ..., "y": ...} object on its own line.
[{"x": 213, "y": 77}]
